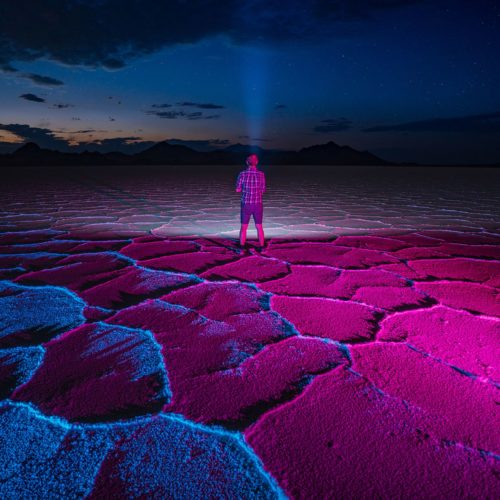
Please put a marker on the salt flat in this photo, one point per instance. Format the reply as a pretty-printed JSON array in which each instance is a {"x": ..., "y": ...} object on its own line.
[{"x": 142, "y": 352}]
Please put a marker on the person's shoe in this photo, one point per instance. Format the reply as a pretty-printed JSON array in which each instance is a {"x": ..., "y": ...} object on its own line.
[{"x": 244, "y": 249}]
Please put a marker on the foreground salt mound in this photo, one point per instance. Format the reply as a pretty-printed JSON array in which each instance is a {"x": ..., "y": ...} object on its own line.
[
  {"x": 334, "y": 319},
  {"x": 159, "y": 457},
  {"x": 231, "y": 397},
  {"x": 464, "y": 269},
  {"x": 98, "y": 372},
  {"x": 134, "y": 286},
  {"x": 391, "y": 298},
  {"x": 32, "y": 315},
  {"x": 344, "y": 435},
  {"x": 371, "y": 242},
  {"x": 193, "y": 262},
  {"x": 142, "y": 250},
  {"x": 472, "y": 297},
  {"x": 213, "y": 364},
  {"x": 468, "y": 342},
  {"x": 79, "y": 271},
  {"x": 329, "y": 254},
  {"x": 254, "y": 269},
  {"x": 463, "y": 410},
  {"x": 219, "y": 300},
  {"x": 372, "y": 286}
]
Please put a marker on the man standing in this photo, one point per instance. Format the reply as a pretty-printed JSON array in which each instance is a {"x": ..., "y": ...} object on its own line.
[{"x": 251, "y": 184}]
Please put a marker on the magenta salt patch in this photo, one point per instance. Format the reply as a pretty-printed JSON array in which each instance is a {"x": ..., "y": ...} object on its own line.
[
  {"x": 475, "y": 251},
  {"x": 350, "y": 281},
  {"x": 421, "y": 253},
  {"x": 79, "y": 271},
  {"x": 219, "y": 300},
  {"x": 371, "y": 242},
  {"x": 328, "y": 282},
  {"x": 330, "y": 254},
  {"x": 457, "y": 268},
  {"x": 391, "y": 298},
  {"x": 463, "y": 340},
  {"x": 194, "y": 262},
  {"x": 98, "y": 372},
  {"x": 98, "y": 246},
  {"x": 344, "y": 437},
  {"x": 464, "y": 410},
  {"x": 233, "y": 398},
  {"x": 328, "y": 318},
  {"x": 253, "y": 269},
  {"x": 37, "y": 235},
  {"x": 195, "y": 345},
  {"x": 464, "y": 295},
  {"x": 403, "y": 270},
  {"x": 307, "y": 253},
  {"x": 305, "y": 280},
  {"x": 151, "y": 249},
  {"x": 134, "y": 286}
]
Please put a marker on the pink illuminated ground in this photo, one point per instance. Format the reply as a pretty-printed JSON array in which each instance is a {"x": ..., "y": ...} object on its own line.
[{"x": 142, "y": 352}]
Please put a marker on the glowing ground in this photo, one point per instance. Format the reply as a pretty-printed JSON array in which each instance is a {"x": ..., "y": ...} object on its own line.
[{"x": 144, "y": 355}]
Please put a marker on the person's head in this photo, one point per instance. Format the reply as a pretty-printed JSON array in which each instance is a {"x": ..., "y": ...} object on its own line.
[{"x": 252, "y": 160}]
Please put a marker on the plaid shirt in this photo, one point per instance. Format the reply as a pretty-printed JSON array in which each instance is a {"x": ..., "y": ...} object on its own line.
[{"x": 253, "y": 184}]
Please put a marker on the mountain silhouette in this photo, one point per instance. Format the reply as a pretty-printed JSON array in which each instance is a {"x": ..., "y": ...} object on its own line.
[{"x": 164, "y": 153}]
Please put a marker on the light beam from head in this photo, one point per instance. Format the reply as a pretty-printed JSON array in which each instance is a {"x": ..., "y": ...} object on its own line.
[{"x": 254, "y": 75}]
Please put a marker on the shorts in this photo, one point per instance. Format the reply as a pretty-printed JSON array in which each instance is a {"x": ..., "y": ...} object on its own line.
[{"x": 249, "y": 209}]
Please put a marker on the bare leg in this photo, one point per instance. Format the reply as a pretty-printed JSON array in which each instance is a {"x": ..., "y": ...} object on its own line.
[
  {"x": 243, "y": 234},
  {"x": 260, "y": 233}
]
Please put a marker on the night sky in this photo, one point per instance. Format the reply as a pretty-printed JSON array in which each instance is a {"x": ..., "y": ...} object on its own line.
[{"x": 407, "y": 80}]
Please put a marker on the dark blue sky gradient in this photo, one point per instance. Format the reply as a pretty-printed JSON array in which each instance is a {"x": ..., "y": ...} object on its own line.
[{"x": 407, "y": 80}]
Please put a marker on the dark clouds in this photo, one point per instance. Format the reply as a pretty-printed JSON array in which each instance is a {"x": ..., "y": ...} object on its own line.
[
  {"x": 63, "y": 106},
  {"x": 174, "y": 115},
  {"x": 7, "y": 68},
  {"x": 333, "y": 125},
  {"x": 109, "y": 32},
  {"x": 186, "y": 104},
  {"x": 44, "y": 137},
  {"x": 32, "y": 98},
  {"x": 200, "y": 105},
  {"x": 51, "y": 139},
  {"x": 45, "y": 81},
  {"x": 42, "y": 80},
  {"x": 489, "y": 122}
]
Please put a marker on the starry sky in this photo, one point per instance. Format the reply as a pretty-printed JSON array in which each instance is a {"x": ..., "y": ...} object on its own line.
[{"x": 408, "y": 80}]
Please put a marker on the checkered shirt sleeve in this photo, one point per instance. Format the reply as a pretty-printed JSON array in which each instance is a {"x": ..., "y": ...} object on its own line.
[{"x": 252, "y": 184}]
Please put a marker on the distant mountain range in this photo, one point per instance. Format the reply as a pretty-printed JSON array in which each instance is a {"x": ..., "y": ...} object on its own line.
[{"x": 164, "y": 153}]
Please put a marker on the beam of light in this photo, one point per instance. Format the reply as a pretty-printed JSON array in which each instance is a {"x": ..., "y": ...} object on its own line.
[{"x": 254, "y": 80}]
